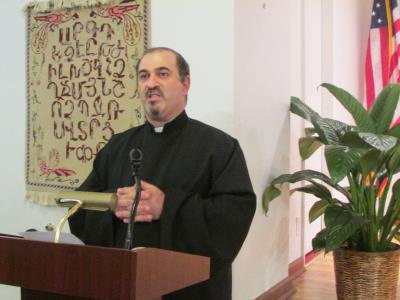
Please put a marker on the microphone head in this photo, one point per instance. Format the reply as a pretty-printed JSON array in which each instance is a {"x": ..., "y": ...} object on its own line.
[{"x": 136, "y": 157}]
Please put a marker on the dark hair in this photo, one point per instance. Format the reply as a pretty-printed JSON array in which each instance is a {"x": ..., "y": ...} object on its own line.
[{"x": 181, "y": 63}]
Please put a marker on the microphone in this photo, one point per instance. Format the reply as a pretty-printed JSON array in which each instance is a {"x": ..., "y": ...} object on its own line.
[{"x": 136, "y": 157}]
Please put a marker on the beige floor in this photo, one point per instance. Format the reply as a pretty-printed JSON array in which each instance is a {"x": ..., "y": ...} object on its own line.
[{"x": 318, "y": 282}]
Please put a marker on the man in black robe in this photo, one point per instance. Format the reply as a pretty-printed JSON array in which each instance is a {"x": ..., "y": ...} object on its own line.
[{"x": 196, "y": 192}]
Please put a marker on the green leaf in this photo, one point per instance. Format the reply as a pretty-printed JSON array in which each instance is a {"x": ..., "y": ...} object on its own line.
[
  {"x": 340, "y": 128},
  {"x": 395, "y": 199},
  {"x": 396, "y": 189},
  {"x": 340, "y": 223},
  {"x": 309, "y": 131},
  {"x": 370, "y": 161},
  {"x": 394, "y": 204},
  {"x": 308, "y": 145},
  {"x": 316, "y": 189},
  {"x": 319, "y": 241},
  {"x": 317, "y": 210},
  {"x": 379, "y": 141},
  {"x": 360, "y": 115},
  {"x": 331, "y": 131},
  {"x": 391, "y": 215},
  {"x": 301, "y": 109},
  {"x": 394, "y": 161},
  {"x": 369, "y": 140},
  {"x": 309, "y": 175},
  {"x": 384, "y": 107},
  {"x": 325, "y": 130},
  {"x": 340, "y": 160},
  {"x": 395, "y": 131},
  {"x": 270, "y": 193},
  {"x": 352, "y": 139}
]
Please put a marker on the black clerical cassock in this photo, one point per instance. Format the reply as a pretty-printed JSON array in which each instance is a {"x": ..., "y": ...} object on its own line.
[{"x": 209, "y": 200}]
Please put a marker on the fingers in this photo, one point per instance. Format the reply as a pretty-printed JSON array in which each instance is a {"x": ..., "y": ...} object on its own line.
[
  {"x": 123, "y": 208},
  {"x": 143, "y": 213},
  {"x": 123, "y": 212},
  {"x": 150, "y": 204},
  {"x": 124, "y": 202},
  {"x": 143, "y": 209},
  {"x": 145, "y": 185},
  {"x": 126, "y": 192},
  {"x": 143, "y": 218}
]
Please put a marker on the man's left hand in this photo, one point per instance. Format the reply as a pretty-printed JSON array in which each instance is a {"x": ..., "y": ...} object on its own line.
[{"x": 150, "y": 205}]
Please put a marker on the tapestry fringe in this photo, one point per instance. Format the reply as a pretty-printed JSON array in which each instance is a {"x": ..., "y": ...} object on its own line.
[
  {"x": 45, "y": 198},
  {"x": 46, "y": 6}
]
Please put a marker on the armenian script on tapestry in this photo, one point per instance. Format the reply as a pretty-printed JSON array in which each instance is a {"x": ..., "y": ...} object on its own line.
[{"x": 81, "y": 88}]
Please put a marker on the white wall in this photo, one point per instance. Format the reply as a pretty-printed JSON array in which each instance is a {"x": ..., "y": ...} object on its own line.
[
  {"x": 296, "y": 124},
  {"x": 262, "y": 90},
  {"x": 201, "y": 30},
  {"x": 312, "y": 78},
  {"x": 350, "y": 36}
]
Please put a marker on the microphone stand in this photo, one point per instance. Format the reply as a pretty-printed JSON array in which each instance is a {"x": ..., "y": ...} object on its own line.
[{"x": 136, "y": 161}]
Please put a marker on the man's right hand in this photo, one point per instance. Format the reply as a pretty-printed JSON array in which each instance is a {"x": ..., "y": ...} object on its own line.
[
  {"x": 150, "y": 204},
  {"x": 124, "y": 204}
]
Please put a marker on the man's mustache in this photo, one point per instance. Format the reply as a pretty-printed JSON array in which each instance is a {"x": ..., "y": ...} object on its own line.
[{"x": 156, "y": 90}]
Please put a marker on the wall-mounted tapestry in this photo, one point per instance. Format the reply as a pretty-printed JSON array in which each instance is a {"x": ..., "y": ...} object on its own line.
[{"x": 81, "y": 86}]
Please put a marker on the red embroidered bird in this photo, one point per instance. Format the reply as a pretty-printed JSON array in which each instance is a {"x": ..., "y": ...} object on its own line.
[
  {"x": 52, "y": 19},
  {"x": 120, "y": 13},
  {"x": 45, "y": 170},
  {"x": 117, "y": 12},
  {"x": 40, "y": 37}
]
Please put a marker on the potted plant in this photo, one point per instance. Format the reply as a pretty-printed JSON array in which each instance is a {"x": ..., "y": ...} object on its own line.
[{"x": 361, "y": 223}]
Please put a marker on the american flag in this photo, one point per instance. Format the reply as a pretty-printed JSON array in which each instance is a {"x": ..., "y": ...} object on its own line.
[{"x": 382, "y": 61}]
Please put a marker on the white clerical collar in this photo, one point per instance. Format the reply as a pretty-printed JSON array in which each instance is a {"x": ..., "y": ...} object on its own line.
[{"x": 158, "y": 129}]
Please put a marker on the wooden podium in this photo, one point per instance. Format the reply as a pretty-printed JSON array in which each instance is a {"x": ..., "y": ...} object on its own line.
[{"x": 61, "y": 271}]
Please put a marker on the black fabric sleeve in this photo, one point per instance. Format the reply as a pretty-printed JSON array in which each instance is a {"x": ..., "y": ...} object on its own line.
[
  {"x": 214, "y": 225},
  {"x": 95, "y": 182}
]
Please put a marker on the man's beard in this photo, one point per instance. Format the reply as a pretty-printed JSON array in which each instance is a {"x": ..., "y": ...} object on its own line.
[{"x": 155, "y": 111}]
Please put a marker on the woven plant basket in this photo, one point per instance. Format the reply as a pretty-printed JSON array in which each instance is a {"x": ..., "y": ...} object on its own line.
[{"x": 366, "y": 275}]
